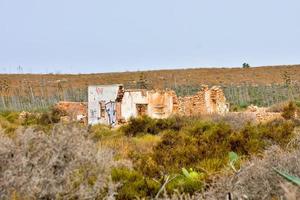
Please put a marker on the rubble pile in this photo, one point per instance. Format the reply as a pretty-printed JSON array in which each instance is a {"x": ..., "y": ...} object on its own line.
[
  {"x": 76, "y": 111},
  {"x": 262, "y": 115}
]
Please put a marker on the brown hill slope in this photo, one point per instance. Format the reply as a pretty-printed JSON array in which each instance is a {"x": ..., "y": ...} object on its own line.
[{"x": 160, "y": 78}]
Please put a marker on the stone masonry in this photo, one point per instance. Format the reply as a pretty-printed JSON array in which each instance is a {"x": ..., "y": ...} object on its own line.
[{"x": 206, "y": 101}]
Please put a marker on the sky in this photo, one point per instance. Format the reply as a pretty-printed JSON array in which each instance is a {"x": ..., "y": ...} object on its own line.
[{"x": 94, "y": 36}]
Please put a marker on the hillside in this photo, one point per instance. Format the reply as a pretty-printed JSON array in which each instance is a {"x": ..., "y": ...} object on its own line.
[{"x": 161, "y": 78}]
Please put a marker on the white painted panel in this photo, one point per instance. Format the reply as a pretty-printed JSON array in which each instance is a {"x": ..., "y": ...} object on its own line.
[{"x": 96, "y": 94}]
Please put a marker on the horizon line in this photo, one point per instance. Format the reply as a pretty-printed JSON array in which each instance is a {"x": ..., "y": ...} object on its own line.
[{"x": 154, "y": 70}]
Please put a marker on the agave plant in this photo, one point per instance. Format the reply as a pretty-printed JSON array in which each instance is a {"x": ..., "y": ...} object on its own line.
[
  {"x": 293, "y": 179},
  {"x": 233, "y": 158}
]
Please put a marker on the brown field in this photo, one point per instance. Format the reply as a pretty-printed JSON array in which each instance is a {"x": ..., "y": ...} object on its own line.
[{"x": 161, "y": 78}]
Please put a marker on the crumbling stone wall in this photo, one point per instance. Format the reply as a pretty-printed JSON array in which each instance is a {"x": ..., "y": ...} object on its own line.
[
  {"x": 206, "y": 101},
  {"x": 162, "y": 103},
  {"x": 261, "y": 114},
  {"x": 76, "y": 111}
]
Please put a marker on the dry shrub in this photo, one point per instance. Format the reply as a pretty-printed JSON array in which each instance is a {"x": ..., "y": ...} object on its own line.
[
  {"x": 289, "y": 112},
  {"x": 9, "y": 123},
  {"x": 10, "y": 116},
  {"x": 235, "y": 120},
  {"x": 258, "y": 180},
  {"x": 125, "y": 146},
  {"x": 51, "y": 117},
  {"x": 146, "y": 143},
  {"x": 65, "y": 164},
  {"x": 294, "y": 143},
  {"x": 279, "y": 107}
]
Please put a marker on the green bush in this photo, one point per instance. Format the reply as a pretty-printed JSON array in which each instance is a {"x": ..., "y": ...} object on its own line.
[
  {"x": 139, "y": 125},
  {"x": 100, "y": 131},
  {"x": 12, "y": 117},
  {"x": 184, "y": 185},
  {"x": 211, "y": 165},
  {"x": 146, "y": 125},
  {"x": 134, "y": 184},
  {"x": 175, "y": 151},
  {"x": 31, "y": 119},
  {"x": 202, "y": 141},
  {"x": 203, "y": 146},
  {"x": 253, "y": 139},
  {"x": 248, "y": 140},
  {"x": 185, "y": 148}
]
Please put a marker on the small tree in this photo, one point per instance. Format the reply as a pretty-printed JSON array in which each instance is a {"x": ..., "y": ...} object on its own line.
[
  {"x": 288, "y": 84},
  {"x": 246, "y": 65},
  {"x": 287, "y": 78}
]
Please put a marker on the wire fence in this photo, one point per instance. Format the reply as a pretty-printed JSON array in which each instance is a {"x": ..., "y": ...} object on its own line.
[
  {"x": 29, "y": 97},
  {"x": 243, "y": 95}
]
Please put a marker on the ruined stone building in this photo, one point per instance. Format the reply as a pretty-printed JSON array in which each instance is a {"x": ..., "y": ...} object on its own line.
[
  {"x": 112, "y": 104},
  {"x": 206, "y": 101}
]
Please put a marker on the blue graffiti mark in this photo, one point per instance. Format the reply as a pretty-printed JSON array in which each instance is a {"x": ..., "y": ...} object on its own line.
[
  {"x": 110, "y": 108},
  {"x": 93, "y": 113}
]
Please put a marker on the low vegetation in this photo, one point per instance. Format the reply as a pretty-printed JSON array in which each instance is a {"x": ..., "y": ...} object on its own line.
[
  {"x": 161, "y": 148},
  {"x": 290, "y": 111},
  {"x": 11, "y": 121},
  {"x": 199, "y": 157},
  {"x": 64, "y": 164},
  {"x": 201, "y": 146}
]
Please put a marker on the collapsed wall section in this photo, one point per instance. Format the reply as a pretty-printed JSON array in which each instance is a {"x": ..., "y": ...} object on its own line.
[
  {"x": 75, "y": 111},
  {"x": 206, "y": 101},
  {"x": 162, "y": 104}
]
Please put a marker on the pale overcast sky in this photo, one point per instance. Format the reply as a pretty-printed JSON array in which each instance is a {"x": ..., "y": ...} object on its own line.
[{"x": 82, "y": 36}]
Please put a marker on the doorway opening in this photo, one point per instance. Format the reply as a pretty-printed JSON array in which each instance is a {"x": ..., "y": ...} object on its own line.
[{"x": 141, "y": 109}]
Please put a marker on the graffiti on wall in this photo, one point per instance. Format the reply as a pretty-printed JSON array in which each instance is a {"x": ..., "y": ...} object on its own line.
[
  {"x": 102, "y": 104},
  {"x": 93, "y": 113},
  {"x": 99, "y": 90},
  {"x": 110, "y": 108}
]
